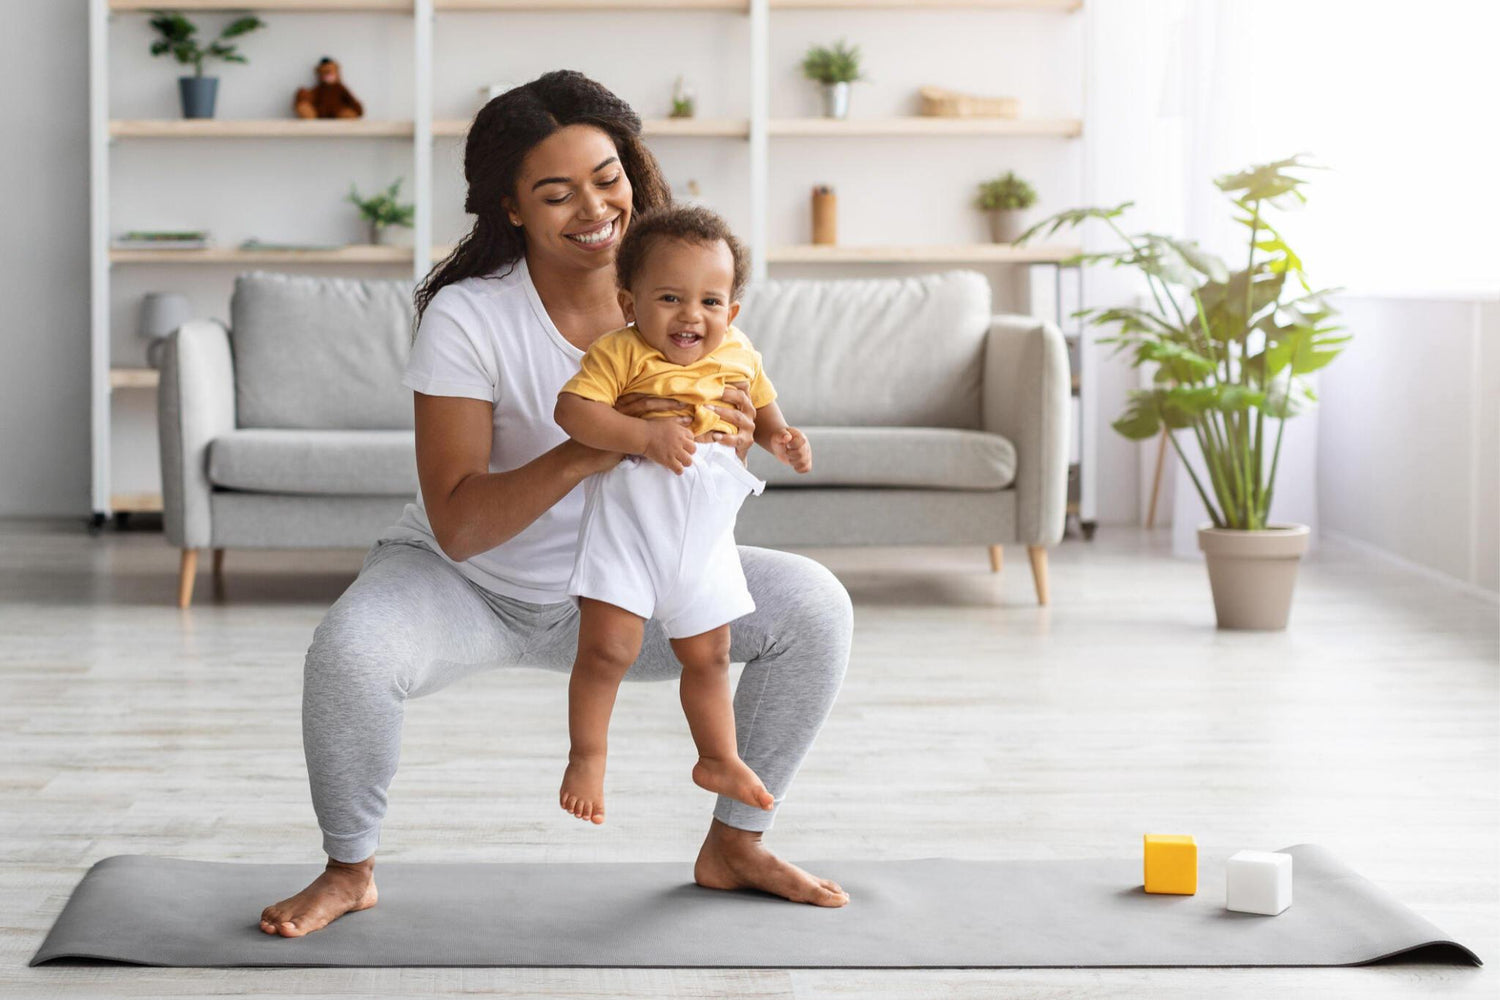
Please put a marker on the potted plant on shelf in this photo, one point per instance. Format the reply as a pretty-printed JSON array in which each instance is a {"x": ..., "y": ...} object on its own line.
[
  {"x": 835, "y": 68},
  {"x": 383, "y": 210},
  {"x": 178, "y": 37},
  {"x": 1005, "y": 198},
  {"x": 1230, "y": 350},
  {"x": 684, "y": 100}
]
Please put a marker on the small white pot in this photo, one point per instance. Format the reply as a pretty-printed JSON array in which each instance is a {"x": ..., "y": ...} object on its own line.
[{"x": 836, "y": 100}]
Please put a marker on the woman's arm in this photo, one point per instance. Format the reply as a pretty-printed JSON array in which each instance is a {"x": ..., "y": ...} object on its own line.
[{"x": 471, "y": 509}]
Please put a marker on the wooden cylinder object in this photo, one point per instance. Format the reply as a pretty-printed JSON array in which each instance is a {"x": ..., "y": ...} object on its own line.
[{"x": 825, "y": 216}]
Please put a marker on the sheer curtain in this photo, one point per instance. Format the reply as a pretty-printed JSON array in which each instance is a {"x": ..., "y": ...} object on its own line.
[{"x": 1396, "y": 99}]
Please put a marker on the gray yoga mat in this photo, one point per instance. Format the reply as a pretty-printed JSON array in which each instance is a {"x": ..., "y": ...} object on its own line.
[{"x": 931, "y": 913}]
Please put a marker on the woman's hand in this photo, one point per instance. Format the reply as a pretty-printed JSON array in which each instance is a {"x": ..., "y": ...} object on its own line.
[
  {"x": 638, "y": 404},
  {"x": 741, "y": 413}
]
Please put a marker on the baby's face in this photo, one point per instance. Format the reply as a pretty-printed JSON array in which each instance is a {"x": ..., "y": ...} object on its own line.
[{"x": 681, "y": 299}]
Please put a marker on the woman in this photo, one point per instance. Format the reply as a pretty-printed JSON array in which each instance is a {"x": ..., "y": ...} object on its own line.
[{"x": 473, "y": 575}]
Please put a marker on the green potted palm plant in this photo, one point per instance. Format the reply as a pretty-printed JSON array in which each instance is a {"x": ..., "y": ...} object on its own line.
[
  {"x": 1005, "y": 198},
  {"x": 382, "y": 210},
  {"x": 178, "y": 38},
  {"x": 1231, "y": 351},
  {"x": 835, "y": 67}
]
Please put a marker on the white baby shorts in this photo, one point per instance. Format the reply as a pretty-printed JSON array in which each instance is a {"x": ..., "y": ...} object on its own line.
[{"x": 661, "y": 545}]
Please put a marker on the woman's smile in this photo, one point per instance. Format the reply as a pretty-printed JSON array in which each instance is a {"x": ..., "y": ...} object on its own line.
[{"x": 598, "y": 236}]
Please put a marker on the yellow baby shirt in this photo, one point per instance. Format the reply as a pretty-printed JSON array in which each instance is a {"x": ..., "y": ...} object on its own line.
[{"x": 621, "y": 362}]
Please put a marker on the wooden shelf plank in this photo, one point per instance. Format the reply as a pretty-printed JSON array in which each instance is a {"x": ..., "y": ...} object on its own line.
[
  {"x": 728, "y": 128},
  {"x": 135, "y": 503},
  {"x": 1061, "y": 5},
  {"x": 978, "y": 253},
  {"x": 722, "y": 128},
  {"x": 743, "y": 5},
  {"x": 358, "y": 254},
  {"x": 549, "y": 5},
  {"x": 734, "y": 128},
  {"x": 917, "y": 125},
  {"x": 278, "y": 6},
  {"x": 133, "y": 378},
  {"x": 258, "y": 128}
]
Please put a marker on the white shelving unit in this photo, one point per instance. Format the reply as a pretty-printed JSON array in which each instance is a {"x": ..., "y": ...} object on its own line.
[{"x": 757, "y": 132}]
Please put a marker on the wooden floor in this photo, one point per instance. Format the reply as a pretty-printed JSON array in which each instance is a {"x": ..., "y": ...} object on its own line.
[{"x": 972, "y": 724}]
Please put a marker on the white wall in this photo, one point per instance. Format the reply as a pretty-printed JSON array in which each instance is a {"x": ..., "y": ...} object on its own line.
[
  {"x": 44, "y": 341},
  {"x": 1409, "y": 433}
]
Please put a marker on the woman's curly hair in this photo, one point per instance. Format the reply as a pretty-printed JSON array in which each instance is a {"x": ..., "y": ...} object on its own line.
[
  {"x": 688, "y": 223},
  {"x": 504, "y": 131}
]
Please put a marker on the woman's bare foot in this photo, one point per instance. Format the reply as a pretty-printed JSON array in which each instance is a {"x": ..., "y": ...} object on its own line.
[
  {"x": 582, "y": 792},
  {"x": 734, "y": 779},
  {"x": 736, "y": 859},
  {"x": 342, "y": 888}
]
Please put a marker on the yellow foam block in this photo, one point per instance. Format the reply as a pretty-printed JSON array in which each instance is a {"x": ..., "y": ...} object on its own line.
[{"x": 1171, "y": 864}]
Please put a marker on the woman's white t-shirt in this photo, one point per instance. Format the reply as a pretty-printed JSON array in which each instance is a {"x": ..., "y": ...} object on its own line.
[{"x": 490, "y": 338}]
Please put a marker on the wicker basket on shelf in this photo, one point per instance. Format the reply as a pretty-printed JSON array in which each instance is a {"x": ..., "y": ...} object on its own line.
[{"x": 940, "y": 103}]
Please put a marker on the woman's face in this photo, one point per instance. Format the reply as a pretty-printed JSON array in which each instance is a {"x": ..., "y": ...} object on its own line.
[{"x": 572, "y": 199}]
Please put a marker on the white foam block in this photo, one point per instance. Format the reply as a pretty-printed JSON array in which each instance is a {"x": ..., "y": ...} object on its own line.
[{"x": 1258, "y": 882}]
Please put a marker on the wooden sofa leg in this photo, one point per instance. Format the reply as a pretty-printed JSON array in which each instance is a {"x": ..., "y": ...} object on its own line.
[
  {"x": 218, "y": 566},
  {"x": 189, "y": 575},
  {"x": 997, "y": 558},
  {"x": 1038, "y": 554}
]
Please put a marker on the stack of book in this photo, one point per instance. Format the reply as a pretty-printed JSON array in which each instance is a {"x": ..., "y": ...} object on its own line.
[{"x": 148, "y": 239}]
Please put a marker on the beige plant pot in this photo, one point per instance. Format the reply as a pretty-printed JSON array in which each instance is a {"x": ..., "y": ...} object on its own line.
[
  {"x": 1005, "y": 224},
  {"x": 1252, "y": 573}
]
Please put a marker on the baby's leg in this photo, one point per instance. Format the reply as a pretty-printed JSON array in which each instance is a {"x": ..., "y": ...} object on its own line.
[
  {"x": 609, "y": 639},
  {"x": 709, "y": 706}
]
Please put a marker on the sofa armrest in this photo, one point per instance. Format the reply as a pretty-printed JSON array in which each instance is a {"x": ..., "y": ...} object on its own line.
[
  {"x": 1025, "y": 399},
  {"x": 194, "y": 405}
]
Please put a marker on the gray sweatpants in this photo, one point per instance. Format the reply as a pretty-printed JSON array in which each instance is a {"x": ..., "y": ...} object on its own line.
[{"x": 411, "y": 624}]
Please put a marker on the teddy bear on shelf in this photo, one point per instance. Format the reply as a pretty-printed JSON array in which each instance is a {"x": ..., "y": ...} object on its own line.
[{"x": 330, "y": 98}]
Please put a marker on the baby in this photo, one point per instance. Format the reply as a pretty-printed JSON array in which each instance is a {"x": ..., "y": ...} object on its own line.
[{"x": 657, "y": 536}]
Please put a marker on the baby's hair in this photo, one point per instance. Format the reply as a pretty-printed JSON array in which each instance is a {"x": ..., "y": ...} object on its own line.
[{"x": 687, "y": 223}]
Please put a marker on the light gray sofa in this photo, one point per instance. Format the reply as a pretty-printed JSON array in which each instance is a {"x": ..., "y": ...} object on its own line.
[{"x": 932, "y": 421}]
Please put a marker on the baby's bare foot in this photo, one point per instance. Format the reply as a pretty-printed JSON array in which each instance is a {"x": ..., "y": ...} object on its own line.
[
  {"x": 342, "y": 888},
  {"x": 733, "y": 778},
  {"x": 582, "y": 791}
]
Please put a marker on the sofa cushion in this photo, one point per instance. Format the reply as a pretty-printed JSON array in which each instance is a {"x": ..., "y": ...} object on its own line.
[
  {"x": 920, "y": 457},
  {"x": 893, "y": 352},
  {"x": 370, "y": 463},
  {"x": 324, "y": 353}
]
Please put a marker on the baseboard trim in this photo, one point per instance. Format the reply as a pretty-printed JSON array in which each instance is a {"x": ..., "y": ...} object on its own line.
[{"x": 1437, "y": 576}]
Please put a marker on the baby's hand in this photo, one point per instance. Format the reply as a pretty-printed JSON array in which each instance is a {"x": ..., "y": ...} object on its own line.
[
  {"x": 793, "y": 448},
  {"x": 669, "y": 443}
]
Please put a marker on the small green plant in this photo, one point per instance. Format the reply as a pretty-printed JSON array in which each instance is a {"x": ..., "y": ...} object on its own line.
[
  {"x": 683, "y": 103},
  {"x": 1005, "y": 191},
  {"x": 178, "y": 37},
  {"x": 839, "y": 64},
  {"x": 383, "y": 209}
]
